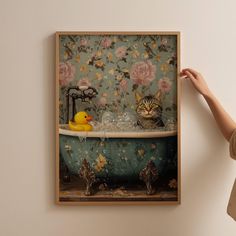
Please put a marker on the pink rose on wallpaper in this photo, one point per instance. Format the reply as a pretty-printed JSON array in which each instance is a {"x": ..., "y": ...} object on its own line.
[
  {"x": 121, "y": 52},
  {"x": 104, "y": 94},
  {"x": 83, "y": 42},
  {"x": 102, "y": 101},
  {"x": 66, "y": 73},
  {"x": 165, "y": 84},
  {"x": 123, "y": 84},
  {"x": 106, "y": 42},
  {"x": 84, "y": 83},
  {"x": 142, "y": 73}
]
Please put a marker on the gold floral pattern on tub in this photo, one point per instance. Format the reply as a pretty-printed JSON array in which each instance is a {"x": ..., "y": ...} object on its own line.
[
  {"x": 173, "y": 183},
  {"x": 141, "y": 152},
  {"x": 100, "y": 162}
]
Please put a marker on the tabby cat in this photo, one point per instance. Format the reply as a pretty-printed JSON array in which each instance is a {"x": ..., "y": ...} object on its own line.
[{"x": 149, "y": 111}]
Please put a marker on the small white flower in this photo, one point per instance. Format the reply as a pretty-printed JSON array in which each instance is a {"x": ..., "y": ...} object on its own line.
[{"x": 68, "y": 148}]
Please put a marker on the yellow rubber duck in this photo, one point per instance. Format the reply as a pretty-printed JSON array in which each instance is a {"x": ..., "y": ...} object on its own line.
[{"x": 81, "y": 122}]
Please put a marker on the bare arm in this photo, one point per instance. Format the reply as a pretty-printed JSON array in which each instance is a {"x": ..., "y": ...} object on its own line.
[{"x": 223, "y": 119}]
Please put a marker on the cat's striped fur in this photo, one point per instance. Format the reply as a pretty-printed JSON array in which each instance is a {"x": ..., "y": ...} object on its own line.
[{"x": 149, "y": 111}]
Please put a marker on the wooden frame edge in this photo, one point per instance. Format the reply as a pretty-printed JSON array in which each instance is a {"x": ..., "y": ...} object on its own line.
[
  {"x": 116, "y": 203},
  {"x": 179, "y": 115},
  {"x": 57, "y": 120}
]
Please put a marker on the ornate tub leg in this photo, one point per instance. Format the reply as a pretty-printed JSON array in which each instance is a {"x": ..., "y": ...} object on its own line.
[
  {"x": 88, "y": 175},
  {"x": 149, "y": 175}
]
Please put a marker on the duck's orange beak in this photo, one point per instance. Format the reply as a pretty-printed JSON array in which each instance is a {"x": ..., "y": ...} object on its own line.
[{"x": 89, "y": 118}]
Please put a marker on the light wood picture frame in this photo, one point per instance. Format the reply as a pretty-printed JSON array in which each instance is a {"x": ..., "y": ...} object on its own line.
[{"x": 118, "y": 118}]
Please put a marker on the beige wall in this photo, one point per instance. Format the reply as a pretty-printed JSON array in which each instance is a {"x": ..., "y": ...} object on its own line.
[{"x": 27, "y": 117}]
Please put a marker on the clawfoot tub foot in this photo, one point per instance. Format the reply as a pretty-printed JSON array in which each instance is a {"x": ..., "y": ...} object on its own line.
[
  {"x": 149, "y": 175},
  {"x": 88, "y": 176}
]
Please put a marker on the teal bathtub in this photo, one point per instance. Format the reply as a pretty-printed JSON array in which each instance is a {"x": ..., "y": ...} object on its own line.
[{"x": 118, "y": 156}]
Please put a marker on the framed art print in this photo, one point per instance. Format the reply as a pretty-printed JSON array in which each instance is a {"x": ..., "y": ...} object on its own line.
[{"x": 117, "y": 118}]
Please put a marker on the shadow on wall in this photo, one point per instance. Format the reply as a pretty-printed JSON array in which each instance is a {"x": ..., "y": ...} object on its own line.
[{"x": 49, "y": 118}]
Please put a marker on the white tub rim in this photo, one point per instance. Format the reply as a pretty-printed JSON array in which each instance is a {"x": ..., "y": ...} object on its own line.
[{"x": 115, "y": 134}]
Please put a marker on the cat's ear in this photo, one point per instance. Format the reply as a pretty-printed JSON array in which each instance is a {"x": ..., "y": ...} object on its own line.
[
  {"x": 137, "y": 97},
  {"x": 158, "y": 96}
]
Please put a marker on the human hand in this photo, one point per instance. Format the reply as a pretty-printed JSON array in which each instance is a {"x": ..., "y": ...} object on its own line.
[{"x": 197, "y": 80}]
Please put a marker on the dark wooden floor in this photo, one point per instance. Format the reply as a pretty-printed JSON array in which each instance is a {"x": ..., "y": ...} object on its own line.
[{"x": 72, "y": 192}]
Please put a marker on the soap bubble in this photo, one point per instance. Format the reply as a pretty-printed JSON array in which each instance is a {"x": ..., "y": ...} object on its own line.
[
  {"x": 96, "y": 125},
  {"x": 126, "y": 121},
  {"x": 108, "y": 118},
  {"x": 171, "y": 124},
  {"x": 129, "y": 118},
  {"x": 116, "y": 122}
]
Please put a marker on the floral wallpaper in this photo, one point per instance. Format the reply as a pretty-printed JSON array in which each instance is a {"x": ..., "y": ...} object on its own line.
[{"x": 117, "y": 66}]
